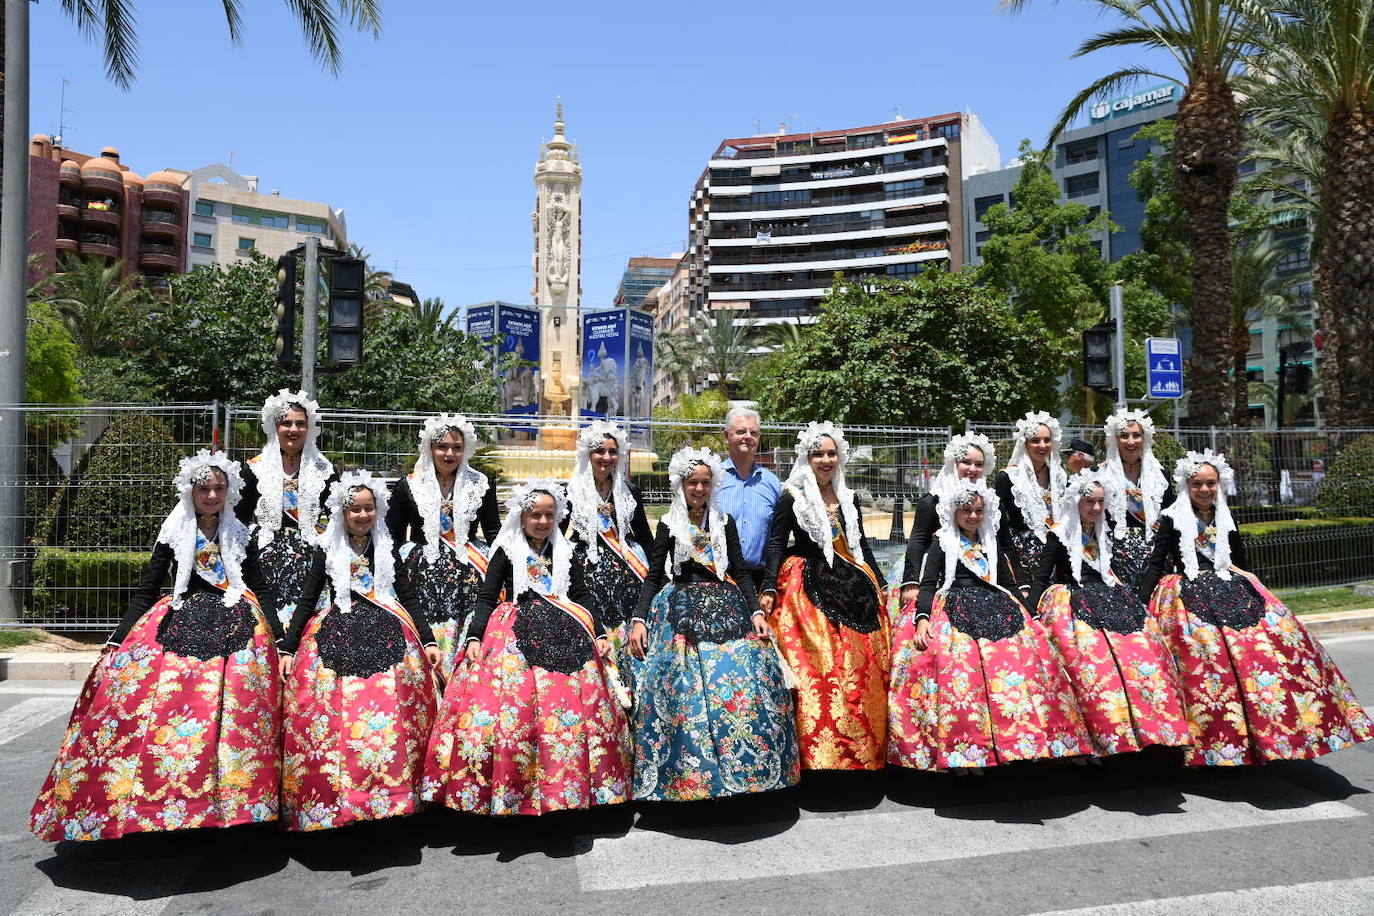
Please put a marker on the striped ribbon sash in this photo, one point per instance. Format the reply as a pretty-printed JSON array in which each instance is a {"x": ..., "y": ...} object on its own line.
[{"x": 628, "y": 551}]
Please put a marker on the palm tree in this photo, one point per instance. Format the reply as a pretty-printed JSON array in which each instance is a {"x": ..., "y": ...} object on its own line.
[
  {"x": 1257, "y": 291},
  {"x": 376, "y": 287},
  {"x": 429, "y": 315},
  {"x": 1207, "y": 39},
  {"x": 99, "y": 307},
  {"x": 1315, "y": 82},
  {"x": 675, "y": 357},
  {"x": 723, "y": 344},
  {"x": 784, "y": 334}
]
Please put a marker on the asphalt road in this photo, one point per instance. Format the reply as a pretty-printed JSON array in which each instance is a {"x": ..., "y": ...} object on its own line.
[{"x": 1137, "y": 836}]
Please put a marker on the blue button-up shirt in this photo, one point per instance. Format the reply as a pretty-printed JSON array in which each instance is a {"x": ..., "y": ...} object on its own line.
[{"x": 750, "y": 501}]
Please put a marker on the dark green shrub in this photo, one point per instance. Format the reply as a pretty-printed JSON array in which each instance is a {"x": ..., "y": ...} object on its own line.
[
  {"x": 1310, "y": 551},
  {"x": 1168, "y": 450},
  {"x": 1348, "y": 487},
  {"x": 83, "y": 585},
  {"x": 125, "y": 489}
]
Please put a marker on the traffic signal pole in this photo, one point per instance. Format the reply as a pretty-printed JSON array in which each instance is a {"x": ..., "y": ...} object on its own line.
[
  {"x": 310, "y": 317},
  {"x": 1119, "y": 344}
]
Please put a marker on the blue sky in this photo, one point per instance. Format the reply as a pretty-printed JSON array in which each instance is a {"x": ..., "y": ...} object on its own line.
[{"x": 428, "y": 138}]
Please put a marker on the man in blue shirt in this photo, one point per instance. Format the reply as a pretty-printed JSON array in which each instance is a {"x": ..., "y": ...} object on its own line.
[{"x": 747, "y": 491}]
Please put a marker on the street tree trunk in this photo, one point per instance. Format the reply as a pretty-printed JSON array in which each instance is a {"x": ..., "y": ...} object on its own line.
[
  {"x": 1240, "y": 386},
  {"x": 1346, "y": 297},
  {"x": 1206, "y": 155}
]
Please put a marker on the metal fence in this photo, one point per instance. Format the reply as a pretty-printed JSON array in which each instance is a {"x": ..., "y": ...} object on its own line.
[{"x": 97, "y": 485}]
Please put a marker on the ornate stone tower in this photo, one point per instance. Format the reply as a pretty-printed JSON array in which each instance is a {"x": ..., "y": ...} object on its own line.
[{"x": 557, "y": 290}]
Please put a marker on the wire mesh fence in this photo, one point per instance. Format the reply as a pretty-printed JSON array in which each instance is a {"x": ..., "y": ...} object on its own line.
[{"x": 98, "y": 483}]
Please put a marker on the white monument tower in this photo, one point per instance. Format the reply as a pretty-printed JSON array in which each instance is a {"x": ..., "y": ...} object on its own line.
[{"x": 557, "y": 290}]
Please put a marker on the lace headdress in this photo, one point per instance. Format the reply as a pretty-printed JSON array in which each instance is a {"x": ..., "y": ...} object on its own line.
[
  {"x": 338, "y": 553},
  {"x": 960, "y": 496},
  {"x": 178, "y": 530},
  {"x": 806, "y": 492},
  {"x": 1070, "y": 526},
  {"x": 1153, "y": 483},
  {"x": 1185, "y": 519},
  {"x": 315, "y": 469},
  {"x": 517, "y": 547},
  {"x": 683, "y": 463},
  {"x": 955, "y": 451},
  {"x": 469, "y": 485},
  {"x": 1025, "y": 487},
  {"x": 582, "y": 495}
]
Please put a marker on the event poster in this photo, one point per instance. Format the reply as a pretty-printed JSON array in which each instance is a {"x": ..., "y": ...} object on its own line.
[
  {"x": 517, "y": 332},
  {"x": 603, "y": 363}
]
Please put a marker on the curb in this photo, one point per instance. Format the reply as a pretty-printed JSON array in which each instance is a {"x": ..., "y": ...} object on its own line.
[
  {"x": 47, "y": 666},
  {"x": 1338, "y": 622}
]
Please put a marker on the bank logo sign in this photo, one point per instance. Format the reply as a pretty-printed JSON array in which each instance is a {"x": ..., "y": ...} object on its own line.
[{"x": 1115, "y": 108}]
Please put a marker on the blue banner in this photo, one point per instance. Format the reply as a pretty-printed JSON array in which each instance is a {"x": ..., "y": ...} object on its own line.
[
  {"x": 604, "y": 340},
  {"x": 519, "y": 332}
]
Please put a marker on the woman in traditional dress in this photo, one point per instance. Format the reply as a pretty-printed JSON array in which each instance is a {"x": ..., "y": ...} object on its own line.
[
  {"x": 434, "y": 516},
  {"x": 824, "y": 598},
  {"x": 979, "y": 683},
  {"x": 1138, "y": 492},
  {"x": 1257, "y": 685},
  {"x": 284, "y": 484},
  {"x": 361, "y": 676},
  {"x": 611, "y": 533},
  {"x": 1027, "y": 492},
  {"x": 178, "y": 725},
  {"x": 1121, "y": 670},
  {"x": 713, "y": 714},
  {"x": 532, "y": 722}
]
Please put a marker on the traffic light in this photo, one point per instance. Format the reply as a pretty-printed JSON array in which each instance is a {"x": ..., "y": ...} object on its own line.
[
  {"x": 1299, "y": 378},
  {"x": 286, "y": 311},
  {"x": 346, "y": 311},
  {"x": 1097, "y": 357}
]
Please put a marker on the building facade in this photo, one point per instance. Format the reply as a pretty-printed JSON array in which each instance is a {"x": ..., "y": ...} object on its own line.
[
  {"x": 773, "y": 218},
  {"x": 230, "y": 218},
  {"x": 557, "y": 287},
  {"x": 671, "y": 315},
  {"x": 643, "y": 275},
  {"x": 96, "y": 207}
]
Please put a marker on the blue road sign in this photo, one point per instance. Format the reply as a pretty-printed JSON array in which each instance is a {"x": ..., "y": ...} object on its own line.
[{"x": 1163, "y": 367}]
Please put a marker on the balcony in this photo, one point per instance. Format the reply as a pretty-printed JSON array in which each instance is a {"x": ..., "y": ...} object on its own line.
[
  {"x": 162, "y": 194},
  {"x": 161, "y": 222},
  {"x": 154, "y": 256},
  {"x": 66, "y": 245},
  {"x": 828, "y": 171},
  {"x": 99, "y": 213},
  {"x": 68, "y": 209},
  {"x": 100, "y": 181},
  {"x": 793, "y": 200},
  {"x": 767, "y": 255},
  {"x": 99, "y": 244},
  {"x": 935, "y": 214}
]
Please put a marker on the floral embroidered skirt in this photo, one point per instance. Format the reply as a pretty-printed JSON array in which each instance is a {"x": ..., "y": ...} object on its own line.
[
  {"x": 168, "y": 739},
  {"x": 615, "y": 593},
  {"x": 841, "y": 670},
  {"x": 1257, "y": 685},
  {"x": 712, "y": 715},
  {"x": 534, "y": 726},
  {"x": 285, "y": 562},
  {"x": 447, "y": 592},
  {"x": 357, "y": 715},
  {"x": 1129, "y": 554},
  {"x": 988, "y": 688},
  {"x": 1121, "y": 671}
]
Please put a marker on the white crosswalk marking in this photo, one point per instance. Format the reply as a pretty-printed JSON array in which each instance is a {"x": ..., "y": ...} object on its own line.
[
  {"x": 72, "y": 690},
  {"x": 26, "y": 715},
  {"x": 1355, "y": 895},
  {"x": 818, "y": 844},
  {"x": 153, "y": 890}
]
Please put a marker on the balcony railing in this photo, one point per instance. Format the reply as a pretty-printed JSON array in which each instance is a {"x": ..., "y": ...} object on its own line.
[
  {"x": 830, "y": 172},
  {"x": 793, "y": 255},
  {"x": 99, "y": 238},
  {"x": 746, "y": 204},
  {"x": 155, "y": 248},
  {"x": 937, "y": 214},
  {"x": 159, "y": 216}
]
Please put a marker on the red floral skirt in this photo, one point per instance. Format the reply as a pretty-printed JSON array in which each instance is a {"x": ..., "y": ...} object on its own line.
[
  {"x": 1257, "y": 692},
  {"x": 1125, "y": 682},
  {"x": 353, "y": 744},
  {"x": 841, "y": 673},
  {"x": 970, "y": 701},
  {"x": 164, "y": 741},
  {"x": 517, "y": 737}
]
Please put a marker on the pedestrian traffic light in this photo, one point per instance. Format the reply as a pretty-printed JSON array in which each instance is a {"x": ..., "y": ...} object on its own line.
[
  {"x": 1097, "y": 358},
  {"x": 1299, "y": 378},
  {"x": 286, "y": 311},
  {"x": 346, "y": 311}
]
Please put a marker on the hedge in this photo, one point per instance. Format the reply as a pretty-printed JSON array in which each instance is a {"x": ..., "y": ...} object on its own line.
[
  {"x": 1310, "y": 551},
  {"x": 125, "y": 489},
  {"x": 71, "y": 585},
  {"x": 1348, "y": 486}
]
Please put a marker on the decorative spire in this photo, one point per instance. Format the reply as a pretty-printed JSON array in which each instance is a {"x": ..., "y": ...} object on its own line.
[{"x": 558, "y": 147}]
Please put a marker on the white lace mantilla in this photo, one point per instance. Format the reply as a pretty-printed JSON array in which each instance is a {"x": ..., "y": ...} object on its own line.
[
  {"x": 178, "y": 530},
  {"x": 1152, "y": 483},
  {"x": 583, "y": 498}
]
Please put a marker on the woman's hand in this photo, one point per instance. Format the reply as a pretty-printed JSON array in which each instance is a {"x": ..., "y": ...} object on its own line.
[
  {"x": 102, "y": 664},
  {"x": 435, "y": 655},
  {"x": 639, "y": 639},
  {"x": 922, "y": 638},
  {"x": 761, "y": 628},
  {"x": 766, "y": 601},
  {"x": 909, "y": 595},
  {"x": 286, "y": 665},
  {"x": 603, "y": 646},
  {"x": 472, "y": 653}
]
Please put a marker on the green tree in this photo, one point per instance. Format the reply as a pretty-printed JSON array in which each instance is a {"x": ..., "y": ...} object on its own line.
[
  {"x": 935, "y": 350},
  {"x": 100, "y": 308},
  {"x": 1314, "y": 82},
  {"x": 669, "y": 436},
  {"x": 1257, "y": 291},
  {"x": 429, "y": 314},
  {"x": 51, "y": 375},
  {"x": 715, "y": 344},
  {"x": 674, "y": 356},
  {"x": 1164, "y": 260},
  {"x": 1208, "y": 40}
]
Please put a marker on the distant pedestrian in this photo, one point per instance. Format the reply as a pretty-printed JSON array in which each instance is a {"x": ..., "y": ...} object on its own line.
[
  {"x": 748, "y": 491},
  {"x": 1079, "y": 455}
]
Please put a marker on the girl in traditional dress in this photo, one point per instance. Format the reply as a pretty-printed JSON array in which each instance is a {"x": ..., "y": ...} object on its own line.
[
  {"x": 824, "y": 597},
  {"x": 713, "y": 715},
  {"x": 608, "y": 526},
  {"x": 1139, "y": 491},
  {"x": 1027, "y": 492},
  {"x": 979, "y": 683},
  {"x": 532, "y": 722},
  {"x": 1121, "y": 670},
  {"x": 283, "y": 495},
  {"x": 434, "y": 515},
  {"x": 178, "y": 725},
  {"x": 360, "y": 675},
  {"x": 1257, "y": 685}
]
